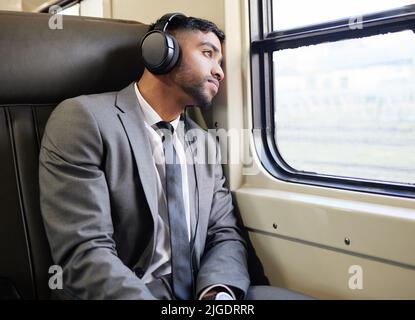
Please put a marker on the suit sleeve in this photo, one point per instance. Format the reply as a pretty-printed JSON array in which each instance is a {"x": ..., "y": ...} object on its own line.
[
  {"x": 225, "y": 257},
  {"x": 76, "y": 209}
]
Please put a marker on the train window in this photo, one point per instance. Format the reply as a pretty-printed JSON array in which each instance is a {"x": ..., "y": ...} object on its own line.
[
  {"x": 347, "y": 108},
  {"x": 73, "y": 10},
  {"x": 86, "y": 8},
  {"x": 295, "y": 13},
  {"x": 333, "y": 100}
]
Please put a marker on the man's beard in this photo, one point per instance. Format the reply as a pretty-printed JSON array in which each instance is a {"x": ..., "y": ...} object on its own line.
[
  {"x": 196, "y": 91},
  {"x": 185, "y": 79}
]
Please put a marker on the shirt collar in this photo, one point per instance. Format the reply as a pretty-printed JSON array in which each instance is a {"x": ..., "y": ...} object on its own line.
[{"x": 151, "y": 117}]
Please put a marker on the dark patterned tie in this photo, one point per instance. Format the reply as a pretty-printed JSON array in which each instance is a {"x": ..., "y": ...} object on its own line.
[{"x": 179, "y": 241}]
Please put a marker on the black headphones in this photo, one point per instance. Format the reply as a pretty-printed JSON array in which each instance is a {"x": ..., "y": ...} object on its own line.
[{"x": 160, "y": 51}]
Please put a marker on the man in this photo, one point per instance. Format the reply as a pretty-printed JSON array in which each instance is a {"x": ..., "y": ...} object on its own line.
[{"x": 113, "y": 205}]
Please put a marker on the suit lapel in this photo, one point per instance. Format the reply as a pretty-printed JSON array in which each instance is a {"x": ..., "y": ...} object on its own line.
[
  {"x": 131, "y": 117},
  {"x": 204, "y": 174}
]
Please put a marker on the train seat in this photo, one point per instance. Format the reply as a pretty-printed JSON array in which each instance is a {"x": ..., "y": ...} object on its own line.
[{"x": 41, "y": 66}]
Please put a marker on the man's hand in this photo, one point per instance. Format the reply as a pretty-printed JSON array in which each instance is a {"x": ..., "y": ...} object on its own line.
[
  {"x": 211, "y": 293},
  {"x": 217, "y": 293}
]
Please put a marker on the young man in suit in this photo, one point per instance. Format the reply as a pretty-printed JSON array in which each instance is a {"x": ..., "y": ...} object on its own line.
[{"x": 119, "y": 193}]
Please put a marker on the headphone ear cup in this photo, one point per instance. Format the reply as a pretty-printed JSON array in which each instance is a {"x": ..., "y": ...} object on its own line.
[
  {"x": 174, "y": 55},
  {"x": 160, "y": 52},
  {"x": 154, "y": 50}
]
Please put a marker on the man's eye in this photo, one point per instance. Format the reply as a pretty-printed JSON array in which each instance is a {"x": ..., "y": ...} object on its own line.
[{"x": 208, "y": 53}]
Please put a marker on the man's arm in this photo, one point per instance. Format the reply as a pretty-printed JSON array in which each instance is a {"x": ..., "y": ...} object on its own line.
[
  {"x": 225, "y": 258},
  {"x": 76, "y": 208}
]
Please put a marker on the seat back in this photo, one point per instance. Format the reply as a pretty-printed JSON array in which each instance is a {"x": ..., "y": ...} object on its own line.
[{"x": 41, "y": 66}]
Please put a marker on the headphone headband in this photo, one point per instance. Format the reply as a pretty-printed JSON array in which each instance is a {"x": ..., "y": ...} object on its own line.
[
  {"x": 165, "y": 20},
  {"x": 159, "y": 49}
]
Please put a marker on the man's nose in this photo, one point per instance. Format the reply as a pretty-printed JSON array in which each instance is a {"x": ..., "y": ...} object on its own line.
[{"x": 217, "y": 72}]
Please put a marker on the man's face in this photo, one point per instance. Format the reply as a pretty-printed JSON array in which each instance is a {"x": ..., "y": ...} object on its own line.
[{"x": 199, "y": 71}]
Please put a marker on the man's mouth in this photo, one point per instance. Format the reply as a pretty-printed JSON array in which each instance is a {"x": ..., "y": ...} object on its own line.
[{"x": 215, "y": 83}]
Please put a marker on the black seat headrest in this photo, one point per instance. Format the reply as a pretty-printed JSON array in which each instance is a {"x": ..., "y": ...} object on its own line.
[{"x": 45, "y": 65}]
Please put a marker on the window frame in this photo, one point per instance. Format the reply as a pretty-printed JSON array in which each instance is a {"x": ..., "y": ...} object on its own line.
[
  {"x": 264, "y": 41},
  {"x": 64, "y": 4}
]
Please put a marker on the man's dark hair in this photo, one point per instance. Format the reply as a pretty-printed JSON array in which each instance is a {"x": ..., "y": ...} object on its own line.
[{"x": 191, "y": 23}]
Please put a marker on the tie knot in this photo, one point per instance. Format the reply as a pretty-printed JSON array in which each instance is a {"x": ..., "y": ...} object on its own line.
[{"x": 164, "y": 125}]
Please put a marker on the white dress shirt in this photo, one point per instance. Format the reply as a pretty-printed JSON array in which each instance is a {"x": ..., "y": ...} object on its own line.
[{"x": 160, "y": 264}]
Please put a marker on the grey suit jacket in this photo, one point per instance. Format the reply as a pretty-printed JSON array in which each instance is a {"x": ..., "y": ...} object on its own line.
[{"x": 99, "y": 206}]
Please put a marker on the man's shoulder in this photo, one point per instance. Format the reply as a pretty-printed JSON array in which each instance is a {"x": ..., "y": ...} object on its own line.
[
  {"x": 85, "y": 106},
  {"x": 90, "y": 100},
  {"x": 84, "y": 111},
  {"x": 208, "y": 135},
  {"x": 193, "y": 125}
]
